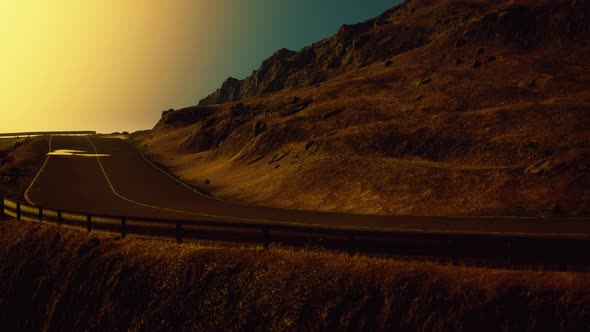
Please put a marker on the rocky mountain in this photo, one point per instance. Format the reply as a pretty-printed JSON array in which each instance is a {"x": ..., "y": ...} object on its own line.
[
  {"x": 523, "y": 24},
  {"x": 450, "y": 107}
]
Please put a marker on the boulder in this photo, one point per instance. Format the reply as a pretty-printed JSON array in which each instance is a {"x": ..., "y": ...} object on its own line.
[{"x": 259, "y": 128}]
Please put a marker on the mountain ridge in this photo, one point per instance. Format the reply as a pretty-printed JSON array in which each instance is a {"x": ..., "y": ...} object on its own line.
[
  {"x": 387, "y": 35},
  {"x": 311, "y": 65}
]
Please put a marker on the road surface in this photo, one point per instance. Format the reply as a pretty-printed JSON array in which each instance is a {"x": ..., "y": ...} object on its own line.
[{"x": 109, "y": 176}]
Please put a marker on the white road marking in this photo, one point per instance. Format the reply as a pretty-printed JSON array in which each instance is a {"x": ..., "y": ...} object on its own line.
[
  {"x": 75, "y": 153},
  {"x": 38, "y": 173},
  {"x": 176, "y": 210},
  {"x": 308, "y": 224},
  {"x": 174, "y": 178},
  {"x": 378, "y": 229}
]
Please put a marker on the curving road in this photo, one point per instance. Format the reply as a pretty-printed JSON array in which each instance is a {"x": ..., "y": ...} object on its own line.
[{"x": 109, "y": 176}]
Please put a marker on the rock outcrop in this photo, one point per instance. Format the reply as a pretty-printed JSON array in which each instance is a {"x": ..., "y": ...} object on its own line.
[
  {"x": 413, "y": 24},
  {"x": 352, "y": 47}
]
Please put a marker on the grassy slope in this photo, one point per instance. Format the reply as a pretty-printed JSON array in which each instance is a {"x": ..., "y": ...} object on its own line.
[
  {"x": 69, "y": 280},
  {"x": 20, "y": 159},
  {"x": 471, "y": 141}
]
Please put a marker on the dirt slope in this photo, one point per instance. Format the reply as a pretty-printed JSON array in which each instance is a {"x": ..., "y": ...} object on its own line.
[{"x": 487, "y": 116}]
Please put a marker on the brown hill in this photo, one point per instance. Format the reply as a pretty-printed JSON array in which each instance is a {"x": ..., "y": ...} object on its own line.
[{"x": 445, "y": 108}]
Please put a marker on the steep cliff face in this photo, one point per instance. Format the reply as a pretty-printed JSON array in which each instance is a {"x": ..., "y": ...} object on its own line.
[
  {"x": 352, "y": 47},
  {"x": 524, "y": 24}
]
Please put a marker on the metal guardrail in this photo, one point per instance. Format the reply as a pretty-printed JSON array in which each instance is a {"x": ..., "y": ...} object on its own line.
[
  {"x": 40, "y": 133},
  {"x": 511, "y": 251}
]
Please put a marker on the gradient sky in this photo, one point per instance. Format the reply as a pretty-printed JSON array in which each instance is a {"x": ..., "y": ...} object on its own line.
[{"x": 114, "y": 65}]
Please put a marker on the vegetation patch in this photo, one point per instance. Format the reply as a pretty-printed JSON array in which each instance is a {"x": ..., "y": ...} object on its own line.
[{"x": 65, "y": 279}]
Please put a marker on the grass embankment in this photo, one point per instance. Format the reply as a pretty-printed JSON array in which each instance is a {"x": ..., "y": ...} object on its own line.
[
  {"x": 69, "y": 280},
  {"x": 20, "y": 160}
]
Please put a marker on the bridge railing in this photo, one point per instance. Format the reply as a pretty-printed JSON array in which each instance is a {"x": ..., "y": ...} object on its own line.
[{"x": 548, "y": 252}]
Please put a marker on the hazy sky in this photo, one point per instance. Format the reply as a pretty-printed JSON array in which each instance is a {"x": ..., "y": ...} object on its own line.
[{"x": 113, "y": 65}]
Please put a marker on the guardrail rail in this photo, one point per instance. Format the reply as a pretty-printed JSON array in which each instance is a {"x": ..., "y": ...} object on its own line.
[
  {"x": 490, "y": 250},
  {"x": 41, "y": 133}
]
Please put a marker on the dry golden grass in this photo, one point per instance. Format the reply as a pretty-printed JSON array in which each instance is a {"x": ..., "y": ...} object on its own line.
[
  {"x": 69, "y": 280},
  {"x": 20, "y": 159},
  {"x": 486, "y": 177},
  {"x": 470, "y": 137}
]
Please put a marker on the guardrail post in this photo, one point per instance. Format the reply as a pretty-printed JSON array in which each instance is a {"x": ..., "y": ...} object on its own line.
[
  {"x": 123, "y": 227},
  {"x": 350, "y": 244},
  {"x": 179, "y": 232},
  {"x": 40, "y": 214},
  {"x": 89, "y": 223},
  {"x": 18, "y": 216},
  {"x": 59, "y": 218},
  {"x": 266, "y": 237}
]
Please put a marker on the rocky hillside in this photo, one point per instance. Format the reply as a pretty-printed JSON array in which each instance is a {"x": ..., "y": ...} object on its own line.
[
  {"x": 485, "y": 110},
  {"x": 523, "y": 25}
]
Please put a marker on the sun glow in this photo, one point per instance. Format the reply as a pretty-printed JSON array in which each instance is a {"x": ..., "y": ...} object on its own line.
[{"x": 97, "y": 64}]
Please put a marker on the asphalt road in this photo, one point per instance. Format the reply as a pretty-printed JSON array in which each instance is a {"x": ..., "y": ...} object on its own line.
[{"x": 124, "y": 183}]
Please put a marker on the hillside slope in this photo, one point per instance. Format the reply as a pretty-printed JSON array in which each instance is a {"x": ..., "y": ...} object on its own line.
[
  {"x": 59, "y": 279},
  {"x": 20, "y": 160},
  {"x": 487, "y": 115}
]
